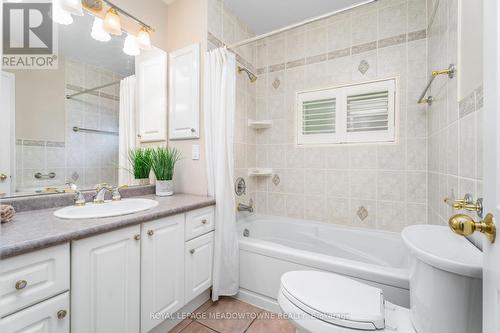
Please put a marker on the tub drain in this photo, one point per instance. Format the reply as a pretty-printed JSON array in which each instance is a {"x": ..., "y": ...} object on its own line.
[{"x": 246, "y": 233}]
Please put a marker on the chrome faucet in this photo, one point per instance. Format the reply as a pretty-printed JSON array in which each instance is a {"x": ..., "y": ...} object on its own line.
[
  {"x": 101, "y": 190},
  {"x": 246, "y": 208},
  {"x": 116, "y": 195}
]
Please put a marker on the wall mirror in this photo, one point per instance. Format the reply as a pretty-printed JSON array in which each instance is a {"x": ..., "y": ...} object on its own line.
[{"x": 64, "y": 124}]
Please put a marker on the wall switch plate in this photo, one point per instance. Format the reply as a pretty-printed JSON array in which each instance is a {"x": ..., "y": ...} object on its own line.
[{"x": 195, "y": 152}]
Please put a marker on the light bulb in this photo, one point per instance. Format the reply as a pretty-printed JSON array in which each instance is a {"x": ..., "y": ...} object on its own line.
[
  {"x": 59, "y": 15},
  {"x": 112, "y": 22},
  {"x": 72, "y": 6},
  {"x": 144, "y": 39},
  {"x": 130, "y": 46},
  {"x": 98, "y": 32}
]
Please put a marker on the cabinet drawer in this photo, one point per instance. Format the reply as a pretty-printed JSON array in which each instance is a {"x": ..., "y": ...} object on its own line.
[
  {"x": 30, "y": 278},
  {"x": 51, "y": 316},
  {"x": 199, "y": 222}
]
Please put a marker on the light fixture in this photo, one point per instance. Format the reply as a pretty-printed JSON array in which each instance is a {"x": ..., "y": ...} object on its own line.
[
  {"x": 98, "y": 32},
  {"x": 112, "y": 22},
  {"x": 72, "y": 6},
  {"x": 130, "y": 46},
  {"x": 144, "y": 39}
]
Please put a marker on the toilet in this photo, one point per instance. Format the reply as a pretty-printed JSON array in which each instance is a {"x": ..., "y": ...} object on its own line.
[{"x": 445, "y": 292}]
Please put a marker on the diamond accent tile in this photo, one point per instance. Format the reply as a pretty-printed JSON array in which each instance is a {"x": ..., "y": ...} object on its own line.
[
  {"x": 276, "y": 83},
  {"x": 363, "y": 67},
  {"x": 276, "y": 180},
  {"x": 362, "y": 213}
]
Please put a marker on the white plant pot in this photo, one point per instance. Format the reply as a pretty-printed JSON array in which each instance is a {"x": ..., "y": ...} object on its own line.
[
  {"x": 141, "y": 182},
  {"x": 164, "y": 188}
]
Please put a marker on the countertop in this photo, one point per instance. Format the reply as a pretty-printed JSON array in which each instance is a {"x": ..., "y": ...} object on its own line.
[{"x": 38, "y": 229}]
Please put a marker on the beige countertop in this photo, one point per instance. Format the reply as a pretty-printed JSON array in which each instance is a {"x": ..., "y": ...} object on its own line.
[{"x": 37, "y": 229}]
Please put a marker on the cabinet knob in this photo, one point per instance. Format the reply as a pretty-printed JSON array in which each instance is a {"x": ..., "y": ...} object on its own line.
[
  {"x": 192, "y": 251},
  {"x": 61, "y": 314},
  {"x": 204, "y": 221},
  {"x": 21, "y": 284},
  {"x": 139, "y": 136},
  {"x": 137, "y": 237},
  {"x": 151, "y": 232},
  {"x": 193, "y": 130}
]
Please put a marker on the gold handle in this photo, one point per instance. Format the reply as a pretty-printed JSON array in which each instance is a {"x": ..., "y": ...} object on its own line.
[
  {"x": 61, "y": 314},
  {"x": 192, "y": 251},
  {"x": 464, "y": 225},
  {"x": 204, "y": 221},
  {"x": 151, "y": 232},
  {"x": 21, "y": 284},
  {"x": 3, "y": 177},
  {"x": 137, "y": 237}
]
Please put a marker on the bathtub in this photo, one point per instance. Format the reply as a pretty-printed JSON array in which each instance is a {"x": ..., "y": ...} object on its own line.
[{"x": 270, "y": 246}]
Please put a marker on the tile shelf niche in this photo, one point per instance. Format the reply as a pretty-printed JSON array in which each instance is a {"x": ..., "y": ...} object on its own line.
[
  {"x": 260, "y": 124},
  {"x": 260, "y": 172}
]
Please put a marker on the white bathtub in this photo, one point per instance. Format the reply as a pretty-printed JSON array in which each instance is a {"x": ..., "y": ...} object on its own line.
[{"x": 276, "y": 245}]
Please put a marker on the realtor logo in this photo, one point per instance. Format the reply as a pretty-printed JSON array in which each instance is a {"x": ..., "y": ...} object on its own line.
[{"x": 29, "y": 38}]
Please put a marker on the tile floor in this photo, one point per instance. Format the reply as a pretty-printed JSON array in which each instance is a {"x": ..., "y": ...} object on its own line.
[{"x": 243, "y": 318}]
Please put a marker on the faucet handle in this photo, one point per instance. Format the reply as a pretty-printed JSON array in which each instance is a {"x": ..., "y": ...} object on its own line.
[
  {"x": 116, "y": 195},
  {"x": 103, "y": 185}
]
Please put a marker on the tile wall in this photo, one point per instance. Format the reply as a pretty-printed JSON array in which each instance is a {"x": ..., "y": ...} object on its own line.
[
  {"x": 455, "y": 128},
  {"x": 381, "y": 186},
  {"x": 87, "y": 158}
]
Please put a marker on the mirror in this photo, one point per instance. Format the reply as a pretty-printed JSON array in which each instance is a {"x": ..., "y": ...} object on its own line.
[{"x": 65, "y": 121}]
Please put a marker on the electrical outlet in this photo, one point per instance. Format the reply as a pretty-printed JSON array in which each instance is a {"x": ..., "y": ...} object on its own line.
[{"x": 195, "y": 152}]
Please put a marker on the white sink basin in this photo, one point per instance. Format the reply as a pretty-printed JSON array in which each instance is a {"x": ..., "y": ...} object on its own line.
[{"x": 107, "y": 209}]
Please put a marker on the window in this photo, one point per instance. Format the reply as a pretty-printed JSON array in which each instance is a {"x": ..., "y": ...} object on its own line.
[{"x": 349, "y": 114}]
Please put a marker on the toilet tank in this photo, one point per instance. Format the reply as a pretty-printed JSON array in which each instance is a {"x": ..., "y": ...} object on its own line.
[{"x": 445, "y": 281}]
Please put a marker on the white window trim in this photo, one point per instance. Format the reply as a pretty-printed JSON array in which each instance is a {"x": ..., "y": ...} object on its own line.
[{"x": 341, "y": 136}]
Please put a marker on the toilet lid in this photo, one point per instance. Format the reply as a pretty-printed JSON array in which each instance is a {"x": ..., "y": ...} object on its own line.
[{"x": 335, "y": 299}]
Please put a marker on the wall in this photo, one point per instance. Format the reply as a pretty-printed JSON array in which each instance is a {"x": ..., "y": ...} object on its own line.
[
  {"x": 186, "y": 25},
  {"x": 455, "y": 127},
  {"x": 40, "y": 107},
  {"x": 336, "y": 183}
]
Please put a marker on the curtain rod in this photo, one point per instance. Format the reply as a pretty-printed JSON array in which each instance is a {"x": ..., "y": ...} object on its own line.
[{"x": 296, "y": 25}]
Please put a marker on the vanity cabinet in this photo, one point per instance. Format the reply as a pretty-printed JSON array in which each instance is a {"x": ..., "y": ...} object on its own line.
[
  {"x": 199, "y": 263},
  {"x": 105, "y": 280},
  {"x": 162, "y": 268},
  {"x": 50, "y": 316}
]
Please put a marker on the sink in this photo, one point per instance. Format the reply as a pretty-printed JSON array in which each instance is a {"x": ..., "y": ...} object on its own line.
[{"x": 107, "y": 209}]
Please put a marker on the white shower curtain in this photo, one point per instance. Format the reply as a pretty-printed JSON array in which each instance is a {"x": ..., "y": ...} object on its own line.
[
  {"x": 219, "y": 107},
  {"x": 127, "y": 129}
]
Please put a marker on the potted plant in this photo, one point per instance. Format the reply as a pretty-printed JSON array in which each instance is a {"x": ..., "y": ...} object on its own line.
[
  {"x": 140, "y": 159},
  {"x": 163, "y": 161}
]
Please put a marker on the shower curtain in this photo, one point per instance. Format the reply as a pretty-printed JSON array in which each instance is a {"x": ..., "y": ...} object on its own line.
[
  {"x": 219, "y": 107},
  {"x": 127, "y": 130}
]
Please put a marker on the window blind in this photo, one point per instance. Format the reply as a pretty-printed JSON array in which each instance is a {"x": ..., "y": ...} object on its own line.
[
  {"x": 318, "y": 116},
  {"x": 368, "y": 112}
]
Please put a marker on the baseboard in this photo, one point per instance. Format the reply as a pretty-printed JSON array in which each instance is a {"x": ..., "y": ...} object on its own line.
[
  {"x": 258, "y": 300},
  {"x": 168, "y": 324}
]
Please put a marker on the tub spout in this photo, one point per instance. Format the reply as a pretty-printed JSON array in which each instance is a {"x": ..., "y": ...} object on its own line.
[{"x": 246, "y": 208}]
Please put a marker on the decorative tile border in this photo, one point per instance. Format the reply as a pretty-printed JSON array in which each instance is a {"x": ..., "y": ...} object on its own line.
[
  {"x": 39, "y": 143},
  {"x": 356, "y": 49},
  {"x": 472, "y": 102}
]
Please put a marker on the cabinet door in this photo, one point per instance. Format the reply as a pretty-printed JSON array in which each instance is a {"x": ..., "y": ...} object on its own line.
[
  {"x": 184, "y": 85},
  {"x": 105, "y": 282},
  {"x": 151, "y": 68},
  {"x": 162, "y": 270},
  {"x": 50, "y": 316},
  {"x": 199, "y": 262}
]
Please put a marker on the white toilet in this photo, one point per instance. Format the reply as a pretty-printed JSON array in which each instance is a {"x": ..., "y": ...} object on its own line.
[{"x": 445, "y": 292}]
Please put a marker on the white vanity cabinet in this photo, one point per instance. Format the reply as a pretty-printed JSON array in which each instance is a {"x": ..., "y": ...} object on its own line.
[
  {"x": 199, "y": 262},
  {"x": 162, "y": 268},
  {"x": 105, "y": 280}
]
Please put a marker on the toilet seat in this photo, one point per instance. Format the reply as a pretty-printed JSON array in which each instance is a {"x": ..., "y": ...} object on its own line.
[{"x": 334, "y": 299}]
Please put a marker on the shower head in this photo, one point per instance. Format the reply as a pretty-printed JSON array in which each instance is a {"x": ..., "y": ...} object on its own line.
[{"x": 251, "y": 75}]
